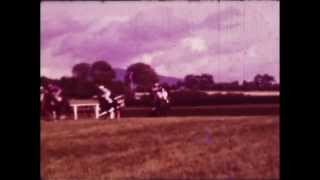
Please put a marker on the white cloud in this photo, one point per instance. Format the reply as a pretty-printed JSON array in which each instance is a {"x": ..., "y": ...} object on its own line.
[
  {"x": 147, "y": 58},
  {"x": 252, "y": 52},
  {"x": 196, "y": 44},
  {"x": 56, "y": 66},
  {"x": 103, "y": 22}
]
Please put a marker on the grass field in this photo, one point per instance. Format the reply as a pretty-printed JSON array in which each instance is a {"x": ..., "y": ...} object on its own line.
[{"x": 220, "y": 147}]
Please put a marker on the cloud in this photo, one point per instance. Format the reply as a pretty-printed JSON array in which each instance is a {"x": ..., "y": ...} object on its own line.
[
  {"x": 145, "y": 32},
  {"x": 53, "y": 29},
  {"x": 217, "y": 39},
  {"x": 195, "y": 44},
  {"x": 219, "y": 19}
]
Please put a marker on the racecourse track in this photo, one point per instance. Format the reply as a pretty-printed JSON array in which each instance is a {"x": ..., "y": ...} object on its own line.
[{"x": 197, "y": 147}]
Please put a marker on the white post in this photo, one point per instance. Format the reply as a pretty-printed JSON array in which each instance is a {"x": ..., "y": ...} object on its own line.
[
  {"x": 97, "y": 111},
  {"x": 75, "y": 112}
]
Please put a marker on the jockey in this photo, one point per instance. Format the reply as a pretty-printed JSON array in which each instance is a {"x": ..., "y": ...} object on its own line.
[
  {"x": 164, "y": 94},
  {"x": 41, "y": 93},
  {"x": 156, "y": 87},
  {"x": 58, "y": 103},
  {"x": 56, "y": 92},
  {"x": 106, "y": 93},
  {"x": 160, "y": 92},
  {"x": 42, "y": 103},
  {"x": 106, "y": 102},
  {"x": 161, "y": 99}
]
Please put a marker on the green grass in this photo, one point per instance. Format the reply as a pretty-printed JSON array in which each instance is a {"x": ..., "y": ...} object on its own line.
[{"x": 172, "y": 147}]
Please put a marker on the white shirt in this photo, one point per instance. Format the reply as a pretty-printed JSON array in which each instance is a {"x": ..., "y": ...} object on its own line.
[{"x": 106, "y": 94}]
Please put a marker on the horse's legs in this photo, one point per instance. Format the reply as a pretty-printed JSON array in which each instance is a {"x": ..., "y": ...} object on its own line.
[
  {"x": 47, "y": 113},
  {"x": 102, "y": 114},
  {"x": 112, "y": 113},
  {"x": 54, "y": 115},
  {"x": 118, "y": 114},
  {"x": 63, "y": 109}
]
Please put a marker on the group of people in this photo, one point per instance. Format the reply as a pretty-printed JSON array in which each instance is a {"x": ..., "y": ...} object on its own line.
[{"x": 55, "y": 106}]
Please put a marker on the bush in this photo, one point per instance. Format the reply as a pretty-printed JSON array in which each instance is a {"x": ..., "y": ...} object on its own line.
[
  {"x": 197, "y": 98},
  {"x": 189, "y": 97}
]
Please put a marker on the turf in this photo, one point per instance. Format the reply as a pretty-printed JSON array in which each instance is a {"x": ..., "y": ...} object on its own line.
[{"x": 244, "y": 147}]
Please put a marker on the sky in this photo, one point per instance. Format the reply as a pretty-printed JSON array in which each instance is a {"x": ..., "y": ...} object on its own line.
[{"x": 232, "y": 40}]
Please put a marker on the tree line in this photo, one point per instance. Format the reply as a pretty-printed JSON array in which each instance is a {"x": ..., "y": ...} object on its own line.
[{"x": 140, "y": 77}]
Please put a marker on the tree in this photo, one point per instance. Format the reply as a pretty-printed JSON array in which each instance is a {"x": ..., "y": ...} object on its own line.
[
  {"x": 191, "y": 81},
  {"x": 68, "y": 86},
  {"x": 206, "y": 82},
  {"x": 202, "y": 82},
  {"x": 102, "y": 73},
  {"x": 77, "y": 88},
  {"x": 166, "y": 86},
  {"x": 268, "y": 79},
  {"x": 258, "y": 80},
  {"x": 45, "y": 81},
  {"x": 81, "y": 71},
  {"x": 117, "y": 87},
  {"x": 179, "y": 84},
  {"x": 141, "y": 74},
  {"x": 263, "y": 81},
  {"x": 234, "y": 85}
]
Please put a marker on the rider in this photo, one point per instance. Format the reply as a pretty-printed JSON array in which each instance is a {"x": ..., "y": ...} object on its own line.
[
  {"x": 58, "y": 102},
  {"x": 160, "y": 98},
  {"x": 165, "y": 95},
  {"x": 43, "y": 93},
  {"x": 160, "y": 92},
  {"x": 106, "y": 102}
]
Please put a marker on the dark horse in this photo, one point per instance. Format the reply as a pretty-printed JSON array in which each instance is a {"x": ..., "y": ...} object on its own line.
[
  {"x": 53, "y": 105},
  {"x": 161, "y": 103}
]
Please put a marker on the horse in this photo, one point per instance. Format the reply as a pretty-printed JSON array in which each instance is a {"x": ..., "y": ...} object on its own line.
[
  {"x": 53, "y": 105},
  {"x": 109, "y": 104},
  {"x": 48, "y": 106},
  {"x": 161, "y": 102}
]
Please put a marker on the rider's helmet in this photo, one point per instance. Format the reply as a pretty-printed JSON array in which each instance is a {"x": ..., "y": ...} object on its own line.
[
  {"x": 101, "y": 87},
  {"x": 156, "y": 87},
  {"x": 104, "y": 90},
  {"x": 53, "y": 88}
]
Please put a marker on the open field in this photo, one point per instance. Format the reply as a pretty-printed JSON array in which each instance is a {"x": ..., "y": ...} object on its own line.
[{"x": 217, "y": 147}]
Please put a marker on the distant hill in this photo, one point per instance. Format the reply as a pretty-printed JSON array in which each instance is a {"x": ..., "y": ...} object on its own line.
[{"x": 120, "y": 73}]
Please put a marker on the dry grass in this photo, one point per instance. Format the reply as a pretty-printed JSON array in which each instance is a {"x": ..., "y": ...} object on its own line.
[{"x": 173, "y": 147}]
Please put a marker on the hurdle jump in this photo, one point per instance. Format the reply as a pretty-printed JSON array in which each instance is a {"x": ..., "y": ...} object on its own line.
[{"x": 75, "y": 108}]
